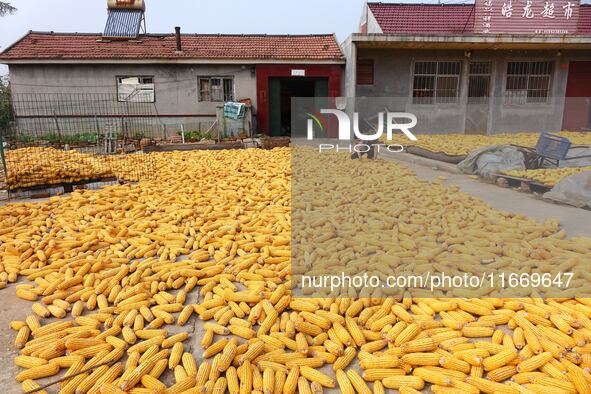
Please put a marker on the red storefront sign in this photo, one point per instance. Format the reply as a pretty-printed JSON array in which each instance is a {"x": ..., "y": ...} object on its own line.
[{"x": 545, "y": 17}]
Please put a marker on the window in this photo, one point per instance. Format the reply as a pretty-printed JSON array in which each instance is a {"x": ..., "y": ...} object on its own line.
[
  {"x": 528, "y": 82},
  {"x": 436, "y": 82},
  {"x": 365, "y": 72},
  {"x": 135, "y": 89},
  {"x": 216, "y": 89},
  {"x": 479, "y": 83}
]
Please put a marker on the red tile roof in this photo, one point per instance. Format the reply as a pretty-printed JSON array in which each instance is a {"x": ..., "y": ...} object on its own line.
[
  {"x": 584, "y": 19},
  {"x": 424, "y": 18},
  {"x": 406, "y": 18},
  {"x": 75, "y": 46}
]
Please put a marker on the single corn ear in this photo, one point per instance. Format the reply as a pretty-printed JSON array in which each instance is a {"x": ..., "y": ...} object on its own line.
[
  {"x": 577, "y": 377},
  {"x": 358, "y": 383}
]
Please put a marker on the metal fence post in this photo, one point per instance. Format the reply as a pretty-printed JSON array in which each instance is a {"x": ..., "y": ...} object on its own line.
[{"x": 2, "y": 156}]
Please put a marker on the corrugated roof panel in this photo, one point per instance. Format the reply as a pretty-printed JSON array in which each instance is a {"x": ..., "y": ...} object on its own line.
[{"x": 123, "y": 23}]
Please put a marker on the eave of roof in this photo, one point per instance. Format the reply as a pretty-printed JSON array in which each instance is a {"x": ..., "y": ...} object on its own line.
[{"x": 463, "y": 41}]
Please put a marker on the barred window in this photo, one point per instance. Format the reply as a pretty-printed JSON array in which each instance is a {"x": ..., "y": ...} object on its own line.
[
  {"x": 436, "y": 82},
  {"x": 135, "y": 89},
  {"x": 528, "y": 82},
  {"x": 365, "y": 71},
  {"x": 479, "y": 83},
  {"x": 216, "y": 89}
]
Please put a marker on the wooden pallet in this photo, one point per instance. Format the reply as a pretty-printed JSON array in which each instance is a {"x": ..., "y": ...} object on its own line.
[{"x": 523, "y": 184}]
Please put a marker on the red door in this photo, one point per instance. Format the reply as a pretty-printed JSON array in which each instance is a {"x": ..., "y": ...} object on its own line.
[{"x": 577, "y": 107}]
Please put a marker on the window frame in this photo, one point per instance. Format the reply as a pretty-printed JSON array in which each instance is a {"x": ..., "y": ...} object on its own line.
[
  {"x": 489, "y": 76},
  {"x": 514, "y": 101},
  {"x": 436, "y": 76},
  {"x": 118, "y": 83},
  {"x": 222, "y": 80},
  {"x": 373, "y": 65}
]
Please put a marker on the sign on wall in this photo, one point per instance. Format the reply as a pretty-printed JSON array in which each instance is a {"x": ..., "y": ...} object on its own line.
[{"x": 552, "y": 17}]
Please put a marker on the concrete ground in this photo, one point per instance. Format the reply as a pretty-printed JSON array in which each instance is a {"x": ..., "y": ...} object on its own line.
[{"x": 575, "y": 221}]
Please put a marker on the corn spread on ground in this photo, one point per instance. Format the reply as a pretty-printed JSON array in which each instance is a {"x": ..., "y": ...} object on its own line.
[
  {"x": 37, "y": 166},
  {"x": 459, "y": 144},
  {"x": 103, "y": 273},
  {"x": 548, "y": 176}
]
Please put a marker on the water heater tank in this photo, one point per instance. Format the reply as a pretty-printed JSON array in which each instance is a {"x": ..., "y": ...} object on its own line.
[{"x": 126, "y": 5}]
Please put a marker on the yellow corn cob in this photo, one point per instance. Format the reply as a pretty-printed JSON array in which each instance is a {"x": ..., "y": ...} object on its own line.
[
  {"x": 534, "y": 363},
  {"x": 29, "y": 362},
  {"x": 395, "y": 382},
  {"x": 499, "y": 360},
  {"x": 232, "y": 380},
  {"x": 22, "y": 337},
  {"x": 280, "y": 378},
  {"x": 29, "y": 385},
  {"x": 357, "y": 382},
  {"x": 502, "y": 373},
  {"x": 110, "y": 389},
  {"x": 579, "y": 380},
  {"x": 343, "y": 361},
  {"x": 411, "y": 331},
  {"x": 203, "y": 373},
  {"x": 175, "y": 355},
  {"x": 419, "y": 345},
  {"x": 181, "y": 386},
  {"x": 488, "y": 386},
  {"x": 303, "y": 386},
  {"x": 344, "y": 384},
  {"x": 421, "y": 359},
  {"x": 317, "y": 376},
  {"x": 38, "y": 372},
  {"x": 170, "y": 341},
  {"x": 291, "y": 381},
  {"x": 268, "y": 381},
  {"x": 245, "y": 377},
  {"x": 372, "y": 375}
]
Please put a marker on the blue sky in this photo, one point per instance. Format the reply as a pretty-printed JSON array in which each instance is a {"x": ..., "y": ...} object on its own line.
[{"x": 194, "y": 16}]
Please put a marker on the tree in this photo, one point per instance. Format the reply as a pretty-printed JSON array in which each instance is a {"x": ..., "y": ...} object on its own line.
[
  {"x": 6, "y": 8},
  {"x": 5, "y": 111}
]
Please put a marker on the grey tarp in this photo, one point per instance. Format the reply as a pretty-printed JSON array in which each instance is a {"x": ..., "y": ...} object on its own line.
[
  {"x": 573, "y": 190},
  {"x": 492, "y": 160},
  {"x": 584, "y": 152}
]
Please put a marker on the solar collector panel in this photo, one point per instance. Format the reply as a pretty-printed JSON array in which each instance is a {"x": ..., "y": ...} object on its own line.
[{"x": 123, "y": 23}]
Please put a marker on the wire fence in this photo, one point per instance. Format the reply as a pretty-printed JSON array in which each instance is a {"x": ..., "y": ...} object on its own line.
[
  {"x": 70, "y": 117},
  {"x": 54, "y": 139}
]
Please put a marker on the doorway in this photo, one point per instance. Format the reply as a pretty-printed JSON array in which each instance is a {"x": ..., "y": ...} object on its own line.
[
  {"x": 281, "y": 91},
  {"x": 477, "y": 107},
  {"x": 577, "y": 105}
]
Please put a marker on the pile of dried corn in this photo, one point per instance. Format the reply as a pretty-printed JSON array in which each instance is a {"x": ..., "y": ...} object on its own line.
[
  {"x": 459, "y": 144},
  {"x": 106, "y": 265},
  {"x": 37, "y": 166},
  {"x": 548, "y": 176}
]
